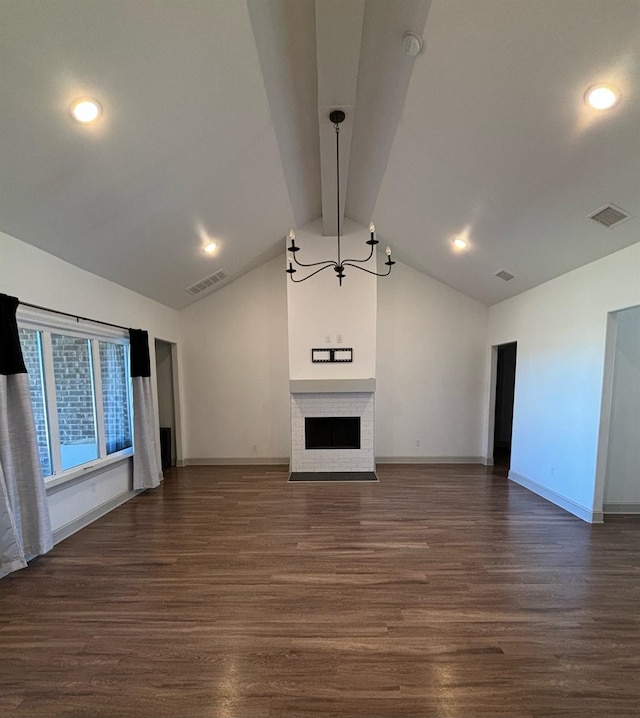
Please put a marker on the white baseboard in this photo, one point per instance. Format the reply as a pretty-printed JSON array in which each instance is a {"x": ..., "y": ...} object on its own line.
[
  {"x": 582, "y": 512},
  {"x": 284, "y": 460},
  {"x": 73, "y": 526},
  {"x": 624, "y": 508},
  {"x": 429, "y": 460},
  {"x": 180, "y": 463},
  {"x": 487, "y": 460},
  {"x": 238, "y": 461}
]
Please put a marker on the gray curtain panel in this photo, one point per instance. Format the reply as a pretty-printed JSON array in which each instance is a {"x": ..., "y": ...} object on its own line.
[
  {"x": 25, "y": 528},
  {"x": 146, "y": 472}
]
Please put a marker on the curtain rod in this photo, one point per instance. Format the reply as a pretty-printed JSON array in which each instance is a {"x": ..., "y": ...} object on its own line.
[{"x": 77, "y": 317}]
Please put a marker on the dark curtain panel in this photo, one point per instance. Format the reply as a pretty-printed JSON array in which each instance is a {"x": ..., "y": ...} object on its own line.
[
  {"x": 146, "y": 469},
  {"x": 11, "y": 361},
  {"x": 140, "y": 361}
]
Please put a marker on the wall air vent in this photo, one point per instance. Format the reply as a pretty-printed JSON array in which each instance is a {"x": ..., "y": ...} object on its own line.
[
  {"x": 503, "y": 274},
  {"x": 610, "y": 216},
  {"x": 208, "y": 282}
]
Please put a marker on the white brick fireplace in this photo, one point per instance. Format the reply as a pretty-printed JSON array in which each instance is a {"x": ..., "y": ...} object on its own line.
[{"x": 337, "y": 403}]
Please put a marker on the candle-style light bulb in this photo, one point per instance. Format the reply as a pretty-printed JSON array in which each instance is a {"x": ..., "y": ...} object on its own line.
[
  {"x": 388, "y": 251},
  {"x": 292, "y": 234},
  {"x": 372, "y": 228}
]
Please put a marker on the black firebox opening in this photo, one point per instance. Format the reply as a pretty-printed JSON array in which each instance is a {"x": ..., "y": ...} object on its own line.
[{"x": 332, "y": 432}]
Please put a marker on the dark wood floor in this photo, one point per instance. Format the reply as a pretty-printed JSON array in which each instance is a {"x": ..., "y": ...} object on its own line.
[{"x": 228, "y": 592}]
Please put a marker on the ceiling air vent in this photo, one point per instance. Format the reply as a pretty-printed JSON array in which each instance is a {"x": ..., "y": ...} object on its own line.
[
  {"x": 503, "y": 274},
  {"x": 208, "y": 282},
  {"x": 610, "y": 216}
]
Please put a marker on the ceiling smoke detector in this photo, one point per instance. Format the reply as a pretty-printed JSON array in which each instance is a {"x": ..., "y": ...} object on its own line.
[
  {"x": 412, "y": 44},
  {"x": 610, "y": 216}
]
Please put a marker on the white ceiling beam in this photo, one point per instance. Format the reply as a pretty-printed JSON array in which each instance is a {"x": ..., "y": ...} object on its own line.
[{"x": 338, "y": 39}]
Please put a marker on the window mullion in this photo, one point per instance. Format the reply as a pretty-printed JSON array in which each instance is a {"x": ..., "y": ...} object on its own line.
[
  {"x": 97, "y": 388},
  {"x": 52, "y": 406}
]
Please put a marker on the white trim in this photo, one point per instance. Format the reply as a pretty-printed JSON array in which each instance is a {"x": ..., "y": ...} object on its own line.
[
  {"x": 85, "y": 471},
  {"x": 491, "y": 418},
  {"x": 430, "y": 460},
  {"x": 488, "y": 460},
  {"x": 82, "y": 521},
  {"x": 51, "y": 411},
  {"x": 52, "y": 321},
  {"x": 606, "y": 404},
  {"x": 615, "y": 508},
  {"x": 582, "y": 512},
  {"x": 237, "y": 461},
  {"x": 277, "y": 460},
  {"x": 177, "y": 401},
  {"x": 98, "y": 404}
]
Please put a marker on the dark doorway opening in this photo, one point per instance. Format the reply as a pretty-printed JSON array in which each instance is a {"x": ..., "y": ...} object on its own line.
[
  {"x": 332, "y": 432},
  {"x": 166, "y": 403},
  {"x": 505, "y": 385}
]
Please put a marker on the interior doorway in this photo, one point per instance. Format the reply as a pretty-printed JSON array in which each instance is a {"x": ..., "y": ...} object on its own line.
[
  {"x": 505, "y": 390},
  {"x": 166, "y": 403},
  {"x": 619, "y": 452}
]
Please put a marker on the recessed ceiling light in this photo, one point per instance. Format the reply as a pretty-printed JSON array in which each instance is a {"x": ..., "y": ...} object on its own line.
[
  {"x": 602, "y": 97},
  {"x": 86, "y": 110},
  {"x": 210, "y": 248},
  {"x": 460, "y": 244}
]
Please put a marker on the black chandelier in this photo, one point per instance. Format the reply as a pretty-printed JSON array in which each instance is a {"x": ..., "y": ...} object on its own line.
[{"x": 337, "y": 116}]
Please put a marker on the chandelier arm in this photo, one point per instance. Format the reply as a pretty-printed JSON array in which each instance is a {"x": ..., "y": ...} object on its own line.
[
  {"x": 327, "y": 262},
  {"x": 368, "y": 271},
  {"x": 297, "y": 281},
  {"x": 361, "y": 260}
]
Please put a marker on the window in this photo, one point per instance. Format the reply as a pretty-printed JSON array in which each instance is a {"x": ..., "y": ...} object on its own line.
[
  {"x": 115, "y": 396},
  {"x": 75, "y": 400},
  {"x": 80, "y": 393}
]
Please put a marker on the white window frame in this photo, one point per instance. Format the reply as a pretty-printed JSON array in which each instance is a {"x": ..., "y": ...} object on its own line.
[{"x": 48, "y": 323}]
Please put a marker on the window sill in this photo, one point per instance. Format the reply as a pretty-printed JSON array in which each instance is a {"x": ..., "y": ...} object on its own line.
[{"x": 85, "y": 471}]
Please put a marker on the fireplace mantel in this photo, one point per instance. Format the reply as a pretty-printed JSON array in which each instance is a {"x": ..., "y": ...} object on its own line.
[{"x": 332, "y": 386}]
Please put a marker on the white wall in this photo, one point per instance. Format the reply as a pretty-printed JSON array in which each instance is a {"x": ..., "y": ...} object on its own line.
[
  {"x": 622, "y": 487},
  {"x": 320, "y": 308},
  {"x": 432, "y": 363},
  {"x": 236, "y": 389},
  {"x": 560, "y": 328},
  {"x": 431, "y": 369},
  {"x": 40, "y": 278}
]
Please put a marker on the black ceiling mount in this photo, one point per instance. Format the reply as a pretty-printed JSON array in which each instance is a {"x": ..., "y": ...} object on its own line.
[{"x": 337, "y": 116}]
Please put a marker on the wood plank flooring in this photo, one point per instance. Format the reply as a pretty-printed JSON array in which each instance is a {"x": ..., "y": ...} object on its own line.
[{"x": 442, "y": 591}]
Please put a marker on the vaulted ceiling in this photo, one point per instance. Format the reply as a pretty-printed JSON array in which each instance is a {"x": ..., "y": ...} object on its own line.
[{"x": 215, "y": 125}]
